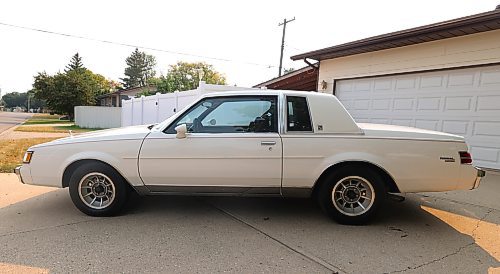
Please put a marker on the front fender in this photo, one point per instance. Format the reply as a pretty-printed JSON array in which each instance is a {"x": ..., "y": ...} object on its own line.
[{"x": 49, "y": 163}]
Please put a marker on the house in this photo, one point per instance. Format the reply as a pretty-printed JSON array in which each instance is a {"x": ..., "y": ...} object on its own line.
[
  {"x": 444, "y": 76},
  {"x": 114, "y": 99},
  {"x": 305, "y": 79}
]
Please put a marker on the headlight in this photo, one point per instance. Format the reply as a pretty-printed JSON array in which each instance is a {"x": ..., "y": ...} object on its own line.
[{"x": 27, "y": 157}]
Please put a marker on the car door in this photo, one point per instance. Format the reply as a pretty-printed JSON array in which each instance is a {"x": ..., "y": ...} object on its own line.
[{"x": 232, "y": 146}]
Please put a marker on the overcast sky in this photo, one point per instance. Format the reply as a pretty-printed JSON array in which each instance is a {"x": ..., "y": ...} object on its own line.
[{"x": 244, "y": 32}]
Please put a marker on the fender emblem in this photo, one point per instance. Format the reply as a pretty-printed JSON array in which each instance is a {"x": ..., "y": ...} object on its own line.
[{"x": 447, "y": 159}]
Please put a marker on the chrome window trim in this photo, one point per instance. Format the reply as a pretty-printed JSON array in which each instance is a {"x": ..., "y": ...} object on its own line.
[
  {"x": 285, "y": 116},
  {"x": 190, "y": 107}
]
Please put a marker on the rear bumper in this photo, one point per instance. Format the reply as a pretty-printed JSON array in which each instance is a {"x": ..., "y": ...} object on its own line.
[
  {"x": 17, "y": 170},
  {"x": 480, "y": 174}
]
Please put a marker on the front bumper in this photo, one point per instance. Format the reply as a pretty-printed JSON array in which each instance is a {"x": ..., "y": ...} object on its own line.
[
  {"x": 480, "y": 174},
  {"x": 17, "y": 170}
]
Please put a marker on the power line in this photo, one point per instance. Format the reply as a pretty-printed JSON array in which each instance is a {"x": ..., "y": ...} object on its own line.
[
  {"x": 133, "y": 46},
  {"x": 292, "y": 47}
]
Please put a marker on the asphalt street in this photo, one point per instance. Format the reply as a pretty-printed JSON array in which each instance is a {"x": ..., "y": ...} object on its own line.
[
  {"x": 10, "y": 119},
  {"x": 41, "y": 232}
]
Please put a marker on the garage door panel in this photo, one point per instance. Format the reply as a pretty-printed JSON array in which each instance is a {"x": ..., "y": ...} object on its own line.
[
  {"x": 403, "y": 104},
  {"x": 344, "y": 87},
  {"x": 362, "y": 86},
  {"x": 362, "y": 104},
  {"x": 464, "y": 102},
  {"x": 429, "y": 103},
  {"x": 490, "y": 77},
  {"x": 427, "y": 124},
  {"x": 379, "y": 121},
  {"x": 455, "y": 127},
  {"x": 461, "y": 79},
  {"x": 381, "y": 104},
  {"x": 382, "y": 85},
  {"x": 427, "y": 82},
  {"x": 487, "y": 129},
  {"x": 458, "y": 103},
  {"x": 488, "y": 103},
  {"x": 405, "y": 84},
  {"x": 363, "y": 120},
  {"x": 402, "y": 122},
  {"x": 489, "y": 154}
]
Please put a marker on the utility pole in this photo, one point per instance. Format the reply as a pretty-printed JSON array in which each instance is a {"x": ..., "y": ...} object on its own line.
[
  {"x": 283, "y": 41},
  {"x": 28, "y": 102}
]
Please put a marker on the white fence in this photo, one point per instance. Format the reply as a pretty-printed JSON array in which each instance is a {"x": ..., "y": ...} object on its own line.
[
  {"x": 156, "y": 108},
  {"x": 97, "y": 117}
]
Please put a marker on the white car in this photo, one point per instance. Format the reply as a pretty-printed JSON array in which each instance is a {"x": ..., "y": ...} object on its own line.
[{"x": 255, "y": 143}]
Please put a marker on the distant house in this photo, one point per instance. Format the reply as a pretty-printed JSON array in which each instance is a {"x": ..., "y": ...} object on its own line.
[{"x": 114, "y": 99}]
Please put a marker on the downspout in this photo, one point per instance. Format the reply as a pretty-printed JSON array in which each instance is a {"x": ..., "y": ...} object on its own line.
[{"x": 314, "y": 67}]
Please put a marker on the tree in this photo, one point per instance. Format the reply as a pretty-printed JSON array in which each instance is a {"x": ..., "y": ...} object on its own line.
[
  {"x": 35, "y": 103},
  {"x": 185, "y": 76},
  {"x": 140, "y": 68},
  {"x": 63, "y": 91},
  {"x": 75, "y": 63},
  {"x": 15, "y": 99}
]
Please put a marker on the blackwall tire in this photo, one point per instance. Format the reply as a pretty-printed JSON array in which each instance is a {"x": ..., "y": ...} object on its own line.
[
  {"x": 98, "y": 190},
  {"x": 351, "y": 195}
]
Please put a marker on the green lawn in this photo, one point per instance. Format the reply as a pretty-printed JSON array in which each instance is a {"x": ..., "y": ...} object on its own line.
[
  {"x": 40, "y": 119},
  {"x": 54, "y": 129}
]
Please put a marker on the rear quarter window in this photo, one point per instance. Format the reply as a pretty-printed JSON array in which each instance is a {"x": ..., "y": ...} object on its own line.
[{"x": 298, "y": 116}]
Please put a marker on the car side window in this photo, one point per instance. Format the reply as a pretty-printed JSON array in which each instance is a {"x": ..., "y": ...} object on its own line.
[
  {"x": 236, "y": 114},
  {"x": 298, "y": 117}
]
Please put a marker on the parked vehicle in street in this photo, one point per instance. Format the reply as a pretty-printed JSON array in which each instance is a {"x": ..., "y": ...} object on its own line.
[{"x": 255, "y": 143}]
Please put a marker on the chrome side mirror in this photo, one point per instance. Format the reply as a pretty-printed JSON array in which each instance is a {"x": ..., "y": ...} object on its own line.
[{"x": 181, "y": 131}]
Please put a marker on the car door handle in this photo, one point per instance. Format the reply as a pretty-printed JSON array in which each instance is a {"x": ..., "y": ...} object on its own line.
[{"x": 267, "y": 143}]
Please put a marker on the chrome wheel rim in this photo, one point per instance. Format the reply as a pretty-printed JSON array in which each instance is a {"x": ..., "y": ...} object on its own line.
[
  {"x": 96, "y": 190},
  {"x": 353, "y": 195}
]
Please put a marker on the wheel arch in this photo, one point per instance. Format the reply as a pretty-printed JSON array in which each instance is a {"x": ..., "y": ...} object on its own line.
[
  {"x": 74, "y": 165},
  {"x": 389, "y": 181}
]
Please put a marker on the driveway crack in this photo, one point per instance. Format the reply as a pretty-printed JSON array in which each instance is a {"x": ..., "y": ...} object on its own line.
[
  {"x": 334, "y": 269},
  {"x": 435, "y": 260},
  {"x": 473, "y": 233}
]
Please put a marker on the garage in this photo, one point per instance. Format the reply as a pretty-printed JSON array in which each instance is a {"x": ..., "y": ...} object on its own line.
[
  {"x": 443, "y": 76},
  {"x": 460, "y": 101}
]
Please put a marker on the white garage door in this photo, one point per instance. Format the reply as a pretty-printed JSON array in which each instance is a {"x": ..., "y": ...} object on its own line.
[{"x": 464, "y": 102}]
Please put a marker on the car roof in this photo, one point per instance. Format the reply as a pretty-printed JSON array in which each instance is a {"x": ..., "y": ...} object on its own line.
[{"x": 264, "y": 92}]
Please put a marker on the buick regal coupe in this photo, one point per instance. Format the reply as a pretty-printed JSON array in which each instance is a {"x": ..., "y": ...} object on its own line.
[{"x": 255, "y": 143}]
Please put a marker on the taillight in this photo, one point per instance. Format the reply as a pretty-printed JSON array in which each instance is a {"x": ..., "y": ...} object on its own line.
[{"x": 465, "y": 157}]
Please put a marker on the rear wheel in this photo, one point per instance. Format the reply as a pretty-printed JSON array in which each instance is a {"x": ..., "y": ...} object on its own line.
[
  {"x": 351, "y": 195},
  {"x": 97, "y": 189}
]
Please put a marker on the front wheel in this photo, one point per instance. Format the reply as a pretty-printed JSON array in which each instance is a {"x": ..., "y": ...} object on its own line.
[
  {"x": 351, "y": 195},
  {"x": 97, "y": 189}
]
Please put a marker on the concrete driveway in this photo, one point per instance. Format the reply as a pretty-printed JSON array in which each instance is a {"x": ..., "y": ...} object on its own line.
[{"x": 41, "y": 231}]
